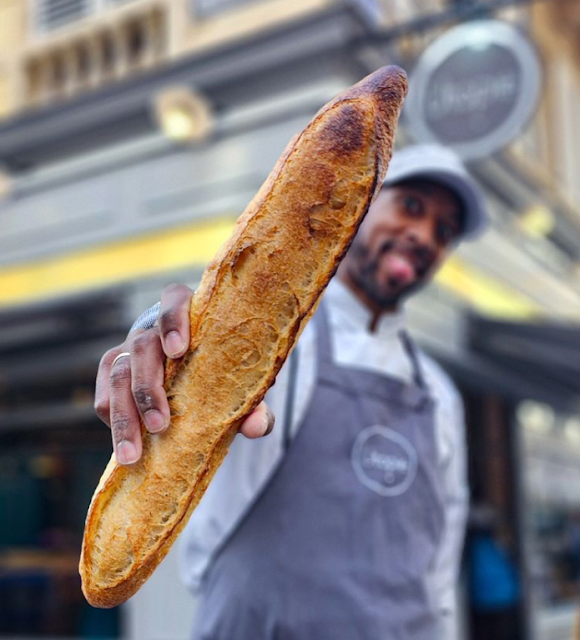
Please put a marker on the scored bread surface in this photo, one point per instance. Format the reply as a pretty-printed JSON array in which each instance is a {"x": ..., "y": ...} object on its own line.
[{"x": 252, "y": 303}]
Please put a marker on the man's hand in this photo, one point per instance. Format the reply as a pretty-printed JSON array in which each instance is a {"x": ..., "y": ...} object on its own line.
[{"x": 131, "y": 387}]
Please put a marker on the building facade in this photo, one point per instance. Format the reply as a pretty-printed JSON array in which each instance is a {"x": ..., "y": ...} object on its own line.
[{"x": 133, "y": 133}]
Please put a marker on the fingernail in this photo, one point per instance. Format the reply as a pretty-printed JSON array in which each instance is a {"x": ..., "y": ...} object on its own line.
[
  {"x": 174, "y": 343},
  {"x": 266, "y": 424},
  {"x": 126, "y": 452},
  {"x": 154, "y": 421}
]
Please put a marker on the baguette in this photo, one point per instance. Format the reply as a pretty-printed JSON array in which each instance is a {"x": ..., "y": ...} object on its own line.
[{"x": 252, "y": 303}]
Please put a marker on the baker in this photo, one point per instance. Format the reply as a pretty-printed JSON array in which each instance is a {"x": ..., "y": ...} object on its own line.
[{"x": 347, "y": 522}]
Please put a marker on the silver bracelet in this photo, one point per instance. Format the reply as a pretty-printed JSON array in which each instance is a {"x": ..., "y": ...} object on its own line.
[{"x": 147, "y": 319}]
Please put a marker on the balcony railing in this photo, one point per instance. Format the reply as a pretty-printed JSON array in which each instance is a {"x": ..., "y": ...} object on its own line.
[{"x": 96, "y": 56}]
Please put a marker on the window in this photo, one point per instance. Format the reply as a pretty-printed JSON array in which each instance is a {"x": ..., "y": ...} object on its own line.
[
  {"x": 52, "y": 452},
  {"x": 50, "y": 15},
  {"x": 53, "y": 14}
]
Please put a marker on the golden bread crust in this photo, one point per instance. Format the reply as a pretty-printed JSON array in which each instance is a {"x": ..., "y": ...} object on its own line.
[{"x": 253, "y": 301}]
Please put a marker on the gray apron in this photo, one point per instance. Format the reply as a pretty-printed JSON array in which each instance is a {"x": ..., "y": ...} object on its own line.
[{"x": 339, "y": 544}]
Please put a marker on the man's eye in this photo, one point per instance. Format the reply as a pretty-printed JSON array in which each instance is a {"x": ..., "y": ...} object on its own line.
[{"x": 412, "y": 205}]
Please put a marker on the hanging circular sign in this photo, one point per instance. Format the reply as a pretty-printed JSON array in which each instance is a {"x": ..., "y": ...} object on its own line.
[{"x": 474, "y": 88}]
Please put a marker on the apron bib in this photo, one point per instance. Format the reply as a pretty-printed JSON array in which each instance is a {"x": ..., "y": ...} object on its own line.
[{"x": 340, "y": 543}]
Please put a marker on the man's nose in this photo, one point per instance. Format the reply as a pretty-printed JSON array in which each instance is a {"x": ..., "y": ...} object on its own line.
[{"x": 421, "y": 236}]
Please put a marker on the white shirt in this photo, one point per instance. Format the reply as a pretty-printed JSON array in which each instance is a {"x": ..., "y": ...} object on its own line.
[{"x": 250, "y": 463}]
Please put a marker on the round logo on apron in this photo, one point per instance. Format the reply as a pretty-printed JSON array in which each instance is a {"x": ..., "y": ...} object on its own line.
[{"x": 384, "y": 460}]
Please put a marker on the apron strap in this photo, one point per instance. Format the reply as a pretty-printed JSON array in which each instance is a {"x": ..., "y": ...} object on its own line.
[
  {"x": 290, "y": 398},
  {"x": 324, "y": 346},
  {"x": 323, "y": 343},
  {"x": 324, "y": 355},
  {"x": 411, "y": 350}
]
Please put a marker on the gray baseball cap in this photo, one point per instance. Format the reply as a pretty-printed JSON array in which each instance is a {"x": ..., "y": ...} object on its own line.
[{"x": 442, "y": 165}]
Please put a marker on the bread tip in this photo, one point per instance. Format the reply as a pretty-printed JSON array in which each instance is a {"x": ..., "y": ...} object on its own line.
[
  {"x": 394, "y": 70},
  {"x": 390, "y": 78},
  {"x": 100, "y": 599}
]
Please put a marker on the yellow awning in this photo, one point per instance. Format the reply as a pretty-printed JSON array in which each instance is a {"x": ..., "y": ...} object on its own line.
[
  {"x": 483, "y": 293},
  {"x": 193, "y": 246},
  {"x": 189, "y": 246}
]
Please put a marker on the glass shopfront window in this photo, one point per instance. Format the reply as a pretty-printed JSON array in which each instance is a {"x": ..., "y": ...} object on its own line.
[{"x": 551, "y": 480}]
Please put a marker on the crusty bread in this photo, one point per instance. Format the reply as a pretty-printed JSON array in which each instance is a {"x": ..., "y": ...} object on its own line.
[{"x": 252, "y": 303}]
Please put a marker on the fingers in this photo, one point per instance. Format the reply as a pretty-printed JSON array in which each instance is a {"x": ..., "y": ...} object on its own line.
[
  {"x": 147, "y": 367},
  {"x": 131, "y": 388},
  {"x": 174, "y": 319},
  {"x": 102, "y": 405},
  {"x": 259, "y": 423},
  {"x": 124, "y": 416}
]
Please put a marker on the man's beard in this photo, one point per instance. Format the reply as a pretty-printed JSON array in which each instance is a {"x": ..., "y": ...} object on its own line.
[{"x": 364, "y": 272}]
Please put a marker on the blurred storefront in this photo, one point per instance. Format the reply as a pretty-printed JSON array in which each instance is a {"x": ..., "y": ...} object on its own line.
[{"x": 133, "y": 133}]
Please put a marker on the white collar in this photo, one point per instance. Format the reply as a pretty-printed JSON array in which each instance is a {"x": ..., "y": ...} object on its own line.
[{"x": 352, "y": 314}]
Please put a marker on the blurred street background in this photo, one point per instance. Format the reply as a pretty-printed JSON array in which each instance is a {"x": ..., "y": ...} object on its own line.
[{"x": 132, "y": 135}]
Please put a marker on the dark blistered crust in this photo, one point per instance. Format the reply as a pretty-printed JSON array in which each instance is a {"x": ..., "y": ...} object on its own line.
[{"x": 344, "y": 134}]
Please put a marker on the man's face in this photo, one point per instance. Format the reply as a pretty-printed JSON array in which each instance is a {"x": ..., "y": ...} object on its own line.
[{"x": 405, "y": 236}]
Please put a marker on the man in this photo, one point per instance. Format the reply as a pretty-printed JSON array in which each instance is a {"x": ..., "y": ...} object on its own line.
[{"x": 347, "y": 522}]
